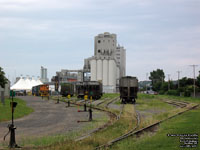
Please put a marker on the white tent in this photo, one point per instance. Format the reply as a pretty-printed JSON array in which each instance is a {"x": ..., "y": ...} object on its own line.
[
  {"x": 28, "y": 84},
  {"x": 38, "y": 82},
  {"x": 25, "y": 84},
  {"x": 34, "y": 82}
]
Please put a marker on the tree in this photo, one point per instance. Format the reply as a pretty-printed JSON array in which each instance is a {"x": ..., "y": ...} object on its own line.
[
  {"x": 157, "y": 77},
  {"x": 3, "y": 79},
  {"x": 198, "y": 81}
]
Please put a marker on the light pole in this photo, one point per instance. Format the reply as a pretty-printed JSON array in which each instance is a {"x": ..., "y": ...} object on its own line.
[{"x": 146, "y": 80}]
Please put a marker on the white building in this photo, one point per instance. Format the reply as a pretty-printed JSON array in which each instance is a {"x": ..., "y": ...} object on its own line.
[
  {"x": 108, "y": 63},
  {"x": 44, "y": 75}
]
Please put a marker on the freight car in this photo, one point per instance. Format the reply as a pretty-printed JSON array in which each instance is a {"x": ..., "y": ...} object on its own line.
[
  {"x": 67, "y": 89},
  {"x": 90, "y": 88},
  {"x": 128, "y": 87}
]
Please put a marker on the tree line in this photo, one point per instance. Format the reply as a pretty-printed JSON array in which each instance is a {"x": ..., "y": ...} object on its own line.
[{"x": 183, "y": 86}]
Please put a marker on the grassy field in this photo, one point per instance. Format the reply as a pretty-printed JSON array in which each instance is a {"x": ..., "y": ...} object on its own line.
[
  {"x": 21, "y": 110},
  {"x": 110, "y": 95},
  {"x": 152, "y": 109},
  {"x": 187, "y": 123}
]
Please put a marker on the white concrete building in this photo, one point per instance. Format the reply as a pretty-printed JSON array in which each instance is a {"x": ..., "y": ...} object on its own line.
[
  {"x": 121, "y": 59},
  {"x": 44, "y": 75},
  {"x": 108, "y": 63}
]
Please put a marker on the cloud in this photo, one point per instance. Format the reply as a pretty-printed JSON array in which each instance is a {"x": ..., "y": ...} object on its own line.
[{"x": 156, "y": 34}]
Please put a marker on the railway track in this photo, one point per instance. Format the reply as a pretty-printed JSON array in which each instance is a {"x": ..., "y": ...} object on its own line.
[
  {"x": 149, "y": 127},
  {"x": 111, "y": 101},
  {"x": 111, "y": 114},
  {"x": 176, "y": 103},
  {"x": 107, "y": 124},
  {"x": 137, "y": 116}
]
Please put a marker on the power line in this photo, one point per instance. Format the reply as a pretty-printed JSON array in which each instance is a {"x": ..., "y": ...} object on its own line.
[{"x": 194, "y": 76}]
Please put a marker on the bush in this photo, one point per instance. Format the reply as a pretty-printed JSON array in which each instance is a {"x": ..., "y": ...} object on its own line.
[
  {"x": 173, "y": 92},
  {"x": 161, "y": 92},
  {"x": 187, "y": 93}
]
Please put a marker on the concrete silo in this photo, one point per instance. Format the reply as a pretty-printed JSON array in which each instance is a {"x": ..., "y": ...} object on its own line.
[
  {"x": 108, "y": 63},
  {"x": 105, "y": 72},
  {"x": 99, "y": 70},
  {"x": 112, "y": 74},
  {"x": 93, "y": 64}
]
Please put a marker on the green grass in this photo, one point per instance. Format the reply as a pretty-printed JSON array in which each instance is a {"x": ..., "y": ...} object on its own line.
[
  {"x": 180, "y": 98},
  {"x": 187, "y": 123},
  {"x": 109, "y": 95},
  {"x": 21, "y": 110}
]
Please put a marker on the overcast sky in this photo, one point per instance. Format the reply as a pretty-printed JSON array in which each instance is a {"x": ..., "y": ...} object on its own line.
[{"x": 59, "y": 34}]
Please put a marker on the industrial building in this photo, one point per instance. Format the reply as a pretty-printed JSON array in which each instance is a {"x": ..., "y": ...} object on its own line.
[
  {"x": 43, "y": 76},
  {"x": 108, "y": 63},
  {"x": 65, "y": 76},
  {"x": 106, "y": 66}
]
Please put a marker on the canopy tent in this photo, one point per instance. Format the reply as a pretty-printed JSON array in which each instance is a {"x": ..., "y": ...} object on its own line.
[
  {"x": 25, "y": 84},
  {"x": 34, "y": 82}
]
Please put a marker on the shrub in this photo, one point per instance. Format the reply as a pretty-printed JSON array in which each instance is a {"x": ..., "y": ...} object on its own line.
[{"x": 173, "y": 92}]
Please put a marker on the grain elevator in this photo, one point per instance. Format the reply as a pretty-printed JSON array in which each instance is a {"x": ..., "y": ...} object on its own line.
[{"x": 108, "y": 63}]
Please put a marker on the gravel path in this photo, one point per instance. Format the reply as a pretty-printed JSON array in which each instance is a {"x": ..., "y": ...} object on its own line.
[{"x": 48, "y": 118}]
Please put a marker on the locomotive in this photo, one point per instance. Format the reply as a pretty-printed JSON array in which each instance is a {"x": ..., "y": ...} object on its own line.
[
  {"x": 41, "y": 90},
  {"x": 128, "y": 87},
  {"x": 90, "y": 88}
]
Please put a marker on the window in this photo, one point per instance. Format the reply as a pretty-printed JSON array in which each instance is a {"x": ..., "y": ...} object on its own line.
[
  {"x": 99, "y": 51},
  {"x": 99, "y": 41}
]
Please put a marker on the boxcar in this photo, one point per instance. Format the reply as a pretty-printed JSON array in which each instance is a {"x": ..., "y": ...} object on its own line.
[
  {"x": 128, "y": 87},
  {"x": 67, "y": 89},
  {"x": 90, "y": 88}
]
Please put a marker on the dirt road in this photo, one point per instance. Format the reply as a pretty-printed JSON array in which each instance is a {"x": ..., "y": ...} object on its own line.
[{"x": 48, "y": 118}]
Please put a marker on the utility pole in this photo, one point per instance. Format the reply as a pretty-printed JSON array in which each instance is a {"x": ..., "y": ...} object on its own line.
[
  {"x": 146, "y": 80},
  {"x": 178, "y": 78},
  {"x": 194, "y": 77},
  {"x": 168, "y": 82}
]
